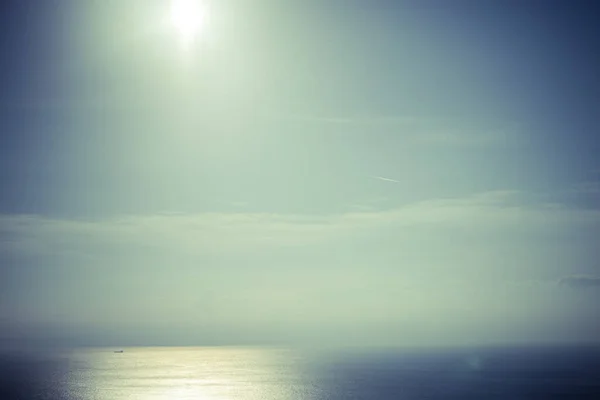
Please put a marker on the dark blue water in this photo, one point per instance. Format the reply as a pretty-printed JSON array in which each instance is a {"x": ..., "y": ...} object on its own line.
[{"x": 220, "y": 373}]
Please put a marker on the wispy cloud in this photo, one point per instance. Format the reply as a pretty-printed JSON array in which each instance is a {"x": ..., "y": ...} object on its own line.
[
  {"x": 418, "y": 262},
  {"x": 422, "y": 130},
  {"x": 350, "y": 120},
  {"x": 588, "y": 187},
  {"x": 250, "y": 232},
  {"x": 580, "y": 281}
]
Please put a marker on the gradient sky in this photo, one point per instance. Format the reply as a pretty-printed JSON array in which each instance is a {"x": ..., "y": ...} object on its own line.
[{"x": 340, "y": 171}]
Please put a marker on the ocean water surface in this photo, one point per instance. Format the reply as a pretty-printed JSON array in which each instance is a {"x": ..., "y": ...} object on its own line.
[{"x": 253, "y": 373}]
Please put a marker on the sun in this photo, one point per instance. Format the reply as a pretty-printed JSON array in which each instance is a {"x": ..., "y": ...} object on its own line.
[{"x": 188, "y": 17}]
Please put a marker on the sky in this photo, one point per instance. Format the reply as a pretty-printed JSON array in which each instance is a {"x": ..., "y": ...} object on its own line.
[{"x": 344, "y": 171}]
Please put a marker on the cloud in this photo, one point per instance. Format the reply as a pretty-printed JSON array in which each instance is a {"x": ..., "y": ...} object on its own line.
[
  {"x": 580, "y": 281},
  {"x": 419, "y": 130},
  {"x": 461, "y": 134},
  {"x": 497, "y": 213},
  {"x": 588, "y": 187},
  {"x": 368, "y": 121},
  {"x": 362, "y": 207},
  {"x": 239, "y": 204},
  {"x": 243, "y": 268}
]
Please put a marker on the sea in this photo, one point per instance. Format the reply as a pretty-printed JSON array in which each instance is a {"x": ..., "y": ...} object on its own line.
[{"x": 263, "y": 373}]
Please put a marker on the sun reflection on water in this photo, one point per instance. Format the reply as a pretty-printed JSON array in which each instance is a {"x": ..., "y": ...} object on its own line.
[{"x": 182, "y": 373}]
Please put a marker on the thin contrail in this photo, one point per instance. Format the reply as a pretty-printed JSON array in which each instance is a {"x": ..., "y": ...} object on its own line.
[{"x": 381, "y": 178}]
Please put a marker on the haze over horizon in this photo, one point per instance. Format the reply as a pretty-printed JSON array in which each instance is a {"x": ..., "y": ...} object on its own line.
[{"x": 323, "y": 172}]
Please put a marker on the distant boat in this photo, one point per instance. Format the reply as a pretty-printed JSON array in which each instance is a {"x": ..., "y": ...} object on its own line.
[{"x": 118, "y": 351}]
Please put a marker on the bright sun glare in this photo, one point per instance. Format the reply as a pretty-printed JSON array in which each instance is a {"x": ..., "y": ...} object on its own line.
[{"x": 188, "y": 17}]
